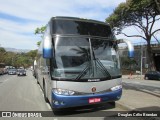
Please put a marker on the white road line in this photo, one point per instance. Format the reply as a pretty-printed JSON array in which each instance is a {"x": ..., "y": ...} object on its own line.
[
  {"x": 6, "y": 80},
  {"x": 48, "y": 105},
  {"x": 40, "y": 89}
]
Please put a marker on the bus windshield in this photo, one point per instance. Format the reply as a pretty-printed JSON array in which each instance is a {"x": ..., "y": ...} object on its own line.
[{"x": 85, "y": 58}]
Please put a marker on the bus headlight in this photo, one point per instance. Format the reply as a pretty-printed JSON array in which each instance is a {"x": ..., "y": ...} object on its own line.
[
  {"x": 116, "y": 88},
  {"x": 63, "y": 92}
]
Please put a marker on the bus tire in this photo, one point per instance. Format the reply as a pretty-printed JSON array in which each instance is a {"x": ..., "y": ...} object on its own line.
[
  {"x": 56, "y": 112},
  {"x": 37, "y": 80},
  {"x": 113, "y": 103}
]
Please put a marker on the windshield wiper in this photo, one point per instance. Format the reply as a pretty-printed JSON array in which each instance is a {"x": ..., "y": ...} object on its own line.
[
  {"x": 102, "y": 68},
  {"x": 83, "y": 71}
]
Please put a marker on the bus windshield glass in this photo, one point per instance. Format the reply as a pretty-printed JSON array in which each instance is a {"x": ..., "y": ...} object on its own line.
[{"x": 85, "y": 58}]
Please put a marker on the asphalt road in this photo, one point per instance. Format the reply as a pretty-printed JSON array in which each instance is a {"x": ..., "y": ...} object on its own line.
[{"x": 22, "y": 93}]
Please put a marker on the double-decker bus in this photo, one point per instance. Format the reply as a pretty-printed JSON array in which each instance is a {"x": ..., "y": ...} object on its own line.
[{"x": 78, "y": 63}]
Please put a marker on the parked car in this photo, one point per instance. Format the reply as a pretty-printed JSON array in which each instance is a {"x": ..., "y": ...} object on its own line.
[
  {"x": 21, "y": 72},
  {"x": 152, "y": 75},
  {"x": 12, "y": 72}
]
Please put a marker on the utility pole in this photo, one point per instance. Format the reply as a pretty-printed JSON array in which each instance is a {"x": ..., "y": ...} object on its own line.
[{"x": 141, "y": 60}]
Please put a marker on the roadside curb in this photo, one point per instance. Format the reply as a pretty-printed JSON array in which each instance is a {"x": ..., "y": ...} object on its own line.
[
  {"x": 155, "y": 94},
  {"x": 130, "y": 108},
  {"x": 124, "y": 107}
]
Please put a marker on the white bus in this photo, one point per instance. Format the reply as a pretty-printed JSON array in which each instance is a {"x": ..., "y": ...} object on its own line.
[{"x": 78, "y": 63}]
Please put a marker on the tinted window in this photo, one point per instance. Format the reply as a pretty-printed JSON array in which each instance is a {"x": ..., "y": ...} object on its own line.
[
  {"x": 21, "y": 70},
  {"x": 80, "y": 28},
  {"x": 69, "y": 51},
  {"x": 12, "y": 70}
]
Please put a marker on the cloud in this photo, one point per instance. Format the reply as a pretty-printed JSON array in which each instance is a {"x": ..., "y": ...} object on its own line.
[
  {"x": 16, "y": 35},
  {"x": 21, "y": 42},
  {"x": 19, "y": 19},
  {"x": 16, "y": 19},
  {"x": 44, "y": 9}
]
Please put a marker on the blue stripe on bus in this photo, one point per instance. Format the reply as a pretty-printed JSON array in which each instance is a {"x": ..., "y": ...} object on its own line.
[{"x": 82, "y": 100}]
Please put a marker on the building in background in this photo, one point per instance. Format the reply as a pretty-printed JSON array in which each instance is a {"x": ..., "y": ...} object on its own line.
[{"x": 141, "y": 56}]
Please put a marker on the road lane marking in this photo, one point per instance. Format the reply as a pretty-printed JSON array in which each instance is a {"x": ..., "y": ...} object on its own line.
[
  {"x": 48, "y": 105},
  {"x": 7, "y": 80},
  {"x": 150, "y": 92},
  {"x": 40, "y": 89}
]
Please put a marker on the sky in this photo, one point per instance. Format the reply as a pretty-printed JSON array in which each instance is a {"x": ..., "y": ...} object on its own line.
[{"x": 20, "y": 18}]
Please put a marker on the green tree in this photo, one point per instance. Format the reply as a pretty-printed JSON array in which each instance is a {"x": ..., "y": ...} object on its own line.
[
  {"x": 22, "y": 61},
  {"x": 38, "y": 43},
  {"x": 2, "y": 50},
  {"x": 32, "y": 54},
  {"x": 2, "y": 55},
  {"x": 142, "y": 14},
  {"x": 17, "y": 59},
  {"x": 158, "y": 5},
  {"x": 40, "y": 31},
  {"x": 128, "y": 63}
]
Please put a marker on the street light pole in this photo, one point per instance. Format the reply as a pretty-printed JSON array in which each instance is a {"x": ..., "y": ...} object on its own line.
[{"x": 142, "y": 61}]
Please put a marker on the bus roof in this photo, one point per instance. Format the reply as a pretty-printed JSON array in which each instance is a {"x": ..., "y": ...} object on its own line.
[{"x": 78, "y": 19}]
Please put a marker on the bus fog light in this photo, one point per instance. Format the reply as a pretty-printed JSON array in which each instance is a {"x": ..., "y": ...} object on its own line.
[
  {"x": 116, "y": 88},
  {"x": 62, "y": 103},
  {"x": 56, "y": 102}
]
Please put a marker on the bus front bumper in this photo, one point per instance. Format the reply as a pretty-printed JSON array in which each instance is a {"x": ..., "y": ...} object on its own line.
[{"x": 62, "y": 101}]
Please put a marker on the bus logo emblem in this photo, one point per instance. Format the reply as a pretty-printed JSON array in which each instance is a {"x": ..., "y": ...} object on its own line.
[{"x": 94, "y": 89}]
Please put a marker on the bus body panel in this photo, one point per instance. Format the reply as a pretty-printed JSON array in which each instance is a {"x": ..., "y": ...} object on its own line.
[
  {"x": 103, "y": 92},
  {"x": 86, "y": 87},
  {"x": 82, "y": 100}
]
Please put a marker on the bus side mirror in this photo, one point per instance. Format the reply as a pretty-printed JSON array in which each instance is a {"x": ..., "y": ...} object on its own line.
[
  {"x": 47, "y": 48},
  {"x": 47, "y": 53},
  {"x": 130, "y": 47}
]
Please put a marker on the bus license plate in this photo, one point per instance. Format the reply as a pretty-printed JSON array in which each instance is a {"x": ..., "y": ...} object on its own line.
[{"x": 94, "y": 100}]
